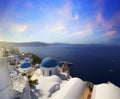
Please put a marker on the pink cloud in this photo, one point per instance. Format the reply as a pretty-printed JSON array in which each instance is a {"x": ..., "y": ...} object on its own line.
[
  {"x": 115, "y": 20},
  {"x": 18, "y": 28},
  {"x": 99, "y": 17},
  {"x": 87, "y": 29},
  {"x": 66, "y": 10},
  {"x": 110, "y": 33},
  {"x": 100, "y": 20},
  {"x": 84, "y": 32},
  {"x": 108, "y": 24}
]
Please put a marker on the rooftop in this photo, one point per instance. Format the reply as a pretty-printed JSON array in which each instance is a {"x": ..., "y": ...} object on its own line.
[
  {"x": 48, "y": 62},
  {"x": 26, "y": 64}
]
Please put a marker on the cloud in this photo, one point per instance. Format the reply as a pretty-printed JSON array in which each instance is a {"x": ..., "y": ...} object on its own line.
[
  {"x": 29, "y": 4},
  {"x": 102, "y": 22},
  {"x": 85, "y": 30},
  {"x": 12, "y": 31},
  {"x": 106, "y": 36},
  {"x": 56, "y": 18},
  {"x": 76, "y": 17},
  {"x": 105, "y": 23},
  {"x": 8, "y": 27},
  {"x": 57, "y": 27},
  {"x": 113, "y": 22},
  {"x": 101, "y": 9},
  {"x": 65, "y": 11},
  {"x": 18, "y": 28},
  {"x": 99, "y": 17},
  {"x": 110, "y": 33}
]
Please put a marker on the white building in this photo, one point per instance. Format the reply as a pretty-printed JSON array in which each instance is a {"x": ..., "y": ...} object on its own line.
[
  {"x": 10, "y": 88},
  {"x": 6, "y": 90},
  {"x": 73, "y": 89},
  {"x": 106, "y": 91},
  {"x": 25, "y": 67},
  {"x": 48, "y": 67}
]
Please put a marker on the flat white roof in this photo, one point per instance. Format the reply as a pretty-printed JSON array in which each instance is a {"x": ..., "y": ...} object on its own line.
[
  {"x": 73, "y": 89},
  {"x": 106, "y": 91}
]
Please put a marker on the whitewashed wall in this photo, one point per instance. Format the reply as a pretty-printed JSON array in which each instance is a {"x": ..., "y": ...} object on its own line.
[
  {"x": 6, "y": 90},
  {"x": 46, "y": 71}
]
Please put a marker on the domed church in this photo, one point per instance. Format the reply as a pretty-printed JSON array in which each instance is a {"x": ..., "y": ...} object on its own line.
[
  {"x": 25, "y": 67},
  {"x": 25, "y": 64},
  {"x": 48, "y": 67}
]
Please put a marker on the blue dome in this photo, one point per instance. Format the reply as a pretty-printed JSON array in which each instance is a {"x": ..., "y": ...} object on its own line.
[
  {"x": 26, "y": 64},
  {"x": 48, "y": 62}
]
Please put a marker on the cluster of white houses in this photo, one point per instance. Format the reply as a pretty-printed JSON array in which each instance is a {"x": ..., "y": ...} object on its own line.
[{"x": 52, "y": 83}]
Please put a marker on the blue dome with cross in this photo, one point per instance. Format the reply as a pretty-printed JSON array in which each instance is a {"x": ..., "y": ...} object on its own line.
[
  {"x": 48, "y": 63},
  {"x": 26, "y": 64}
]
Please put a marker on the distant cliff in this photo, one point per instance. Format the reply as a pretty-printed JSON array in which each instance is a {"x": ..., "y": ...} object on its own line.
[
  {"x": 25, "y": 43},
  {"x": 46, "y": 44}
]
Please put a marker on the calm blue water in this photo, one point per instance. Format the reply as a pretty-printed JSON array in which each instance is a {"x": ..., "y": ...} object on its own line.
[{"x": 91, "y": 63}]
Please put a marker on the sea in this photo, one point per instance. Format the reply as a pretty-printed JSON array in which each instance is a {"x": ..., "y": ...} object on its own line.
[{"x": 97, "y": 64}]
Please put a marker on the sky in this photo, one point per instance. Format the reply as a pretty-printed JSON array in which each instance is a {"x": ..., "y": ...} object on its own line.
[{"x": 65, "y": 21}]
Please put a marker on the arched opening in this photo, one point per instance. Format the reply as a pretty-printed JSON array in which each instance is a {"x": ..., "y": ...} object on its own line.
[
  {"x": 43, "y": 72},
  {"x": 50, "y": 72}
]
